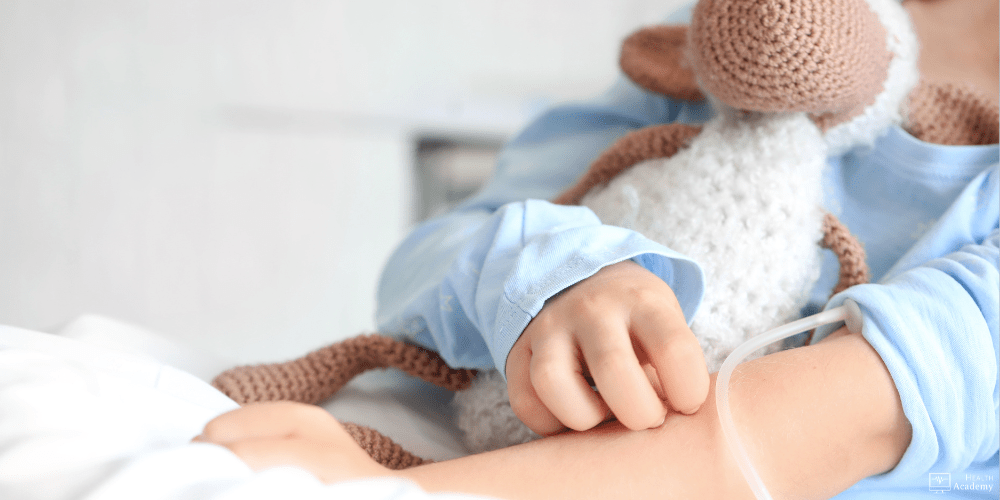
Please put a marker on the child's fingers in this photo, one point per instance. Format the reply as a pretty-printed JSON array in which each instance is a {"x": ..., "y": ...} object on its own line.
[
  {"x": 607, "y": 349},
  {"x": 557, "y": 376},
  {"x": 654, "y": 380},
  {"x": 677, "y": 357},
  {"x": 523, "y": 399},
  {"x": 274, "y": 419}
]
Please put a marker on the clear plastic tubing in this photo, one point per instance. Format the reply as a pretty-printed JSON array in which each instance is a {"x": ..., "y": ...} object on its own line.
[{"x": 849, "y": 313}]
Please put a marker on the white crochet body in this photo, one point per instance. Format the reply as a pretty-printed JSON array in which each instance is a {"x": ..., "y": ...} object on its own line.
[{"x": 744, "y": 202}]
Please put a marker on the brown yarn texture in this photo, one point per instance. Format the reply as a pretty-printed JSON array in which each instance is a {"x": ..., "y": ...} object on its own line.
[
  {"x": 953, "y": 114},
  {"x": 660, "y": 141},
  {"x": 382, "y": 449},
  {"x": 789, "y": 55},
  {"x": 849, "y": 251},
  {"x": 316, "y": 376},
  {"x": 655, "y": 59}
]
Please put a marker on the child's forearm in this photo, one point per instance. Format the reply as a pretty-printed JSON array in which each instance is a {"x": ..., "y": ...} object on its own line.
[
  {"x": 818, "y": 419},
  {"x": 815, "y": 420}
]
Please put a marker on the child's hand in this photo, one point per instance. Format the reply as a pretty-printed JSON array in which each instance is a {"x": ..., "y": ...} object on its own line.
[
  {"x": 624, "y": 328},
  {"x": 284, "y": 433}
]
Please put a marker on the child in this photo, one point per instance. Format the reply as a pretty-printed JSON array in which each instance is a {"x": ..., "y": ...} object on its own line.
[{"x": 526, "y": 285}]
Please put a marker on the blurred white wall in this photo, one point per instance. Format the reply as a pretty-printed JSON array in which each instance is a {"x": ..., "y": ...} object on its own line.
[{"x": 233, "y": 173}]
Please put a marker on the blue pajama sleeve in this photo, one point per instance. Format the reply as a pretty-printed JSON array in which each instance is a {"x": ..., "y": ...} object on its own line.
[{"x": 936, "y": 326}]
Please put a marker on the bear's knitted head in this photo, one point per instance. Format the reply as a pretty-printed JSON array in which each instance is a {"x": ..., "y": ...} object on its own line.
[{"x": 848, "y": 64}]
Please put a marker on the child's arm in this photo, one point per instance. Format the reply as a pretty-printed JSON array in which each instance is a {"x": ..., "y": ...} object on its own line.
[{"x": 806, "y": 443}]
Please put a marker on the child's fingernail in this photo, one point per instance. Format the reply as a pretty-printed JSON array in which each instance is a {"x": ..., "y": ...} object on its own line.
[{"x": 198, "y": 439}]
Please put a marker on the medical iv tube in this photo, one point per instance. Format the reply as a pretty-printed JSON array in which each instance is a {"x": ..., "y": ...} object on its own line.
[{"x": 849, "y": 312}]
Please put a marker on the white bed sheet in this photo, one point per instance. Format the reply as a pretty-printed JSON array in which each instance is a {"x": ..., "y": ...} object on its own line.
[{"x": 92, "y": 414}]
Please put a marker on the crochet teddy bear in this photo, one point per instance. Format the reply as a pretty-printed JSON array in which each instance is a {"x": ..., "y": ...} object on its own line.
[{"x": 792, "y": 82}]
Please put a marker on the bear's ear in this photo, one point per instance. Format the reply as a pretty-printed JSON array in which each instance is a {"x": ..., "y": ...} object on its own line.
[{"x": 654, "y": 58}]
